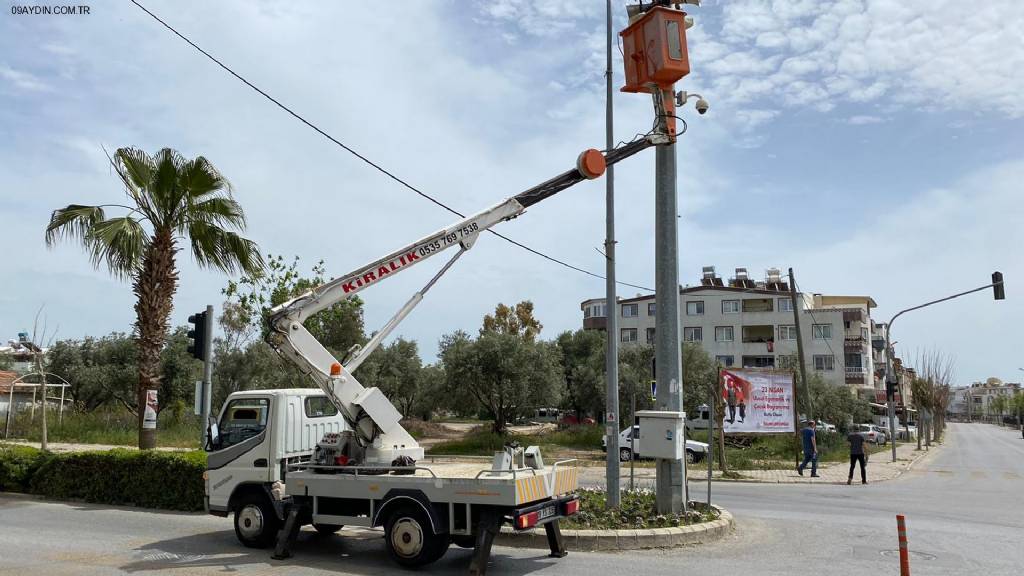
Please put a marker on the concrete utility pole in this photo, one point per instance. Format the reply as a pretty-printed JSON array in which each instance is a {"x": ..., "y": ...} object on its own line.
[
  {"x": 610, "y": 301},
  {"x": 800, "y": 343},
  {"x": 671, "y": 474}
]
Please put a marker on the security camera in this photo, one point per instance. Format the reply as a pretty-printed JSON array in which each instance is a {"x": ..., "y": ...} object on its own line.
[{"x": 702, "y": 106}]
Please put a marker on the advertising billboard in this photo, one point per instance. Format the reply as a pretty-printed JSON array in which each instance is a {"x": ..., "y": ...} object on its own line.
[{"x": 757, "y": 401}]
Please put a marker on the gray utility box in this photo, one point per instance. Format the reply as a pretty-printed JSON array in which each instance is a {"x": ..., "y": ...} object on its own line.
[{"x": 661, "y": 433}]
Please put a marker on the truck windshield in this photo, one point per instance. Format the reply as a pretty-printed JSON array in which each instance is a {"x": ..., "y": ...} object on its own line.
[{"x": 243, "y": 419}]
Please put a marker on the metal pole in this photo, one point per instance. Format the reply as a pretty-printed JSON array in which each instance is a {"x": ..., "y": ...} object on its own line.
[
  {"x": 207, "y": 376},
  {"x": 711, "y": 437},
  {"x": 890, "y": 385},
  {"x": 671, "y": 474},
  {"x": 632, "y": 449},
  {"x": 800, "y": 344},
  {"x": 60, "y": 417},
  {"x": 10, "y": 408},
  {"x": 611, "y": 302}
]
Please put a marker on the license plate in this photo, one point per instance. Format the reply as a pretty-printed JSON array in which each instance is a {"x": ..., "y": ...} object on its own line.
[{"x": 547, "y": 512}]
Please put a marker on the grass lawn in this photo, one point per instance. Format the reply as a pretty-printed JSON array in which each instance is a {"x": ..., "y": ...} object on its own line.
[{"x": 114, "y": 427}]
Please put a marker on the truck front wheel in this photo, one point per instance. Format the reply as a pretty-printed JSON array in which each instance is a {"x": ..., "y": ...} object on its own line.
[
  {"x": 410, "y": 538},
  {"x": 256, "y": 522}
]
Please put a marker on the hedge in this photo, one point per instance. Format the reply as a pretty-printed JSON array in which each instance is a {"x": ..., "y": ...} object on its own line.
[{"x": 150, "y": 479}]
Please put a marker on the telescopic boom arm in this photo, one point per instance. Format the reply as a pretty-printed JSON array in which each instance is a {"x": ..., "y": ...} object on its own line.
[{"x": 367, "y": 410}]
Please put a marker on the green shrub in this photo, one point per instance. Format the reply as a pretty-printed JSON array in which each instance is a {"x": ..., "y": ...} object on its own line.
[
  {"x": 150, "y": 479},
  {"x": 17, "y": 466}
]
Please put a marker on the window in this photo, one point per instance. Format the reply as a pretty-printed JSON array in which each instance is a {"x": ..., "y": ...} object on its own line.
[
  {"x": 726, "y": 361},
  {"x": 319, "y": 407},
  {"x": 821, "y": 331},
  {"x": 757, "y": 305},
  {"x": 650, "y": 309},
  {"x": 650, "y": 335},
  {"x": 759, "y": 361},
  {"x": 627, "y": 335},
  {"x": 243, "y": 419},
  {"x": 824, "y": 362},
  {"x": 864, "y": 333},
  {"x": 594, "y": 311},
  {"x": 630, "y": 310},
  {"x": 787, "y": 332},
  {"x": 730, "y": 306},
  {"x": 785, "y": 304},
  {"x": 723, "y": 334},
  {"x": 695, "y": 308},
  {"x": 692, "y": 334}
]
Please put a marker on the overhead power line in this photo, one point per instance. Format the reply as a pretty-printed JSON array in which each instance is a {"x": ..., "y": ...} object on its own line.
[{"x": 366, "y": 160}]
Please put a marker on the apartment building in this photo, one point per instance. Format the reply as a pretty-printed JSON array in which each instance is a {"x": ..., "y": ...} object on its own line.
[{"x": 742, "y": 322}]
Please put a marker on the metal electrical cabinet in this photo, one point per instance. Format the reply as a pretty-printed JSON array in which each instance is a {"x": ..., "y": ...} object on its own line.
[{"x": 661, "y": 433}]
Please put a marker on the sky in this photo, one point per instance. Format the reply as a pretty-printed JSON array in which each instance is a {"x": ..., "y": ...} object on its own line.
[{"x": 875, "y": 146}]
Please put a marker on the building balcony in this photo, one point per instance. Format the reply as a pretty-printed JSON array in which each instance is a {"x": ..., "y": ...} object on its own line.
[
  {"x": 854, "y": 342},
  {"x": 856, "y": 378},
  {"x": 595, "y": 323},
  {"x": 856, "y": 370}
]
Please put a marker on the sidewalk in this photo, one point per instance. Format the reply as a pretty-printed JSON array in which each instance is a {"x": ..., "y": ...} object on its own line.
[{"x": 880, "y": 468}]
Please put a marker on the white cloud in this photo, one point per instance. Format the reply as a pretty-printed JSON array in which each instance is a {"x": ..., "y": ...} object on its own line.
[
  {"x": 22, "y": 80},
  {"x": 861, "y": 120},
  {"x": 932, "y": 55}
]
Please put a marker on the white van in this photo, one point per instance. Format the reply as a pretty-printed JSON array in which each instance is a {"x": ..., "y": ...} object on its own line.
[{"x": 695, "y": 451}]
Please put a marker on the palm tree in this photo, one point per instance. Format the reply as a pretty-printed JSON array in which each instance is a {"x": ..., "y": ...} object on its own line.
[{"x": 170, "y": 200}]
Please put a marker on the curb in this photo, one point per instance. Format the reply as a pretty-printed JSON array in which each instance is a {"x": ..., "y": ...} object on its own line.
[{"x": 612, "y": 540}]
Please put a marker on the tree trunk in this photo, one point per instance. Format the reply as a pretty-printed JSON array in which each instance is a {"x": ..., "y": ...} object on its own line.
[
  {"x": 43, "y": 445},
  {"x": 154, "y": 289}
]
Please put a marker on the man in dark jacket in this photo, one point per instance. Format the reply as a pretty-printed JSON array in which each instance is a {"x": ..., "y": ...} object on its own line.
[
  {"x": 810, "y": 442},
  {"x": 857, "y": 455}
]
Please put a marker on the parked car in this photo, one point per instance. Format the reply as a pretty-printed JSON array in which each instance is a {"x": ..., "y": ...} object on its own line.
[
  {"x": 826, "y": 427},
  {"x": 570, "y": 419},
  {"x": 871, "y": 433},
  {"x": 695, "y": 451}
]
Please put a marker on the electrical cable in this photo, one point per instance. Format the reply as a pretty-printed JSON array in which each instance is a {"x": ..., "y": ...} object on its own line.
[{"x": 366, "y": 160}]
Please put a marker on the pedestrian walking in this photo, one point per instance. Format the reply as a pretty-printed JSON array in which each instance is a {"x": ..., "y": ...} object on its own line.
[
  {"x": 810, "y": 441},
  {"x": 857, "y": 455}
]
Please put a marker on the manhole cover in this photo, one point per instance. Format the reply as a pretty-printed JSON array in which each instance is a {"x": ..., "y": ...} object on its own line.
[{"x": 911, "y": 553}]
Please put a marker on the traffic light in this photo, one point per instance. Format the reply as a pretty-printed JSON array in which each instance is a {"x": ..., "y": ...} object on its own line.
[
  {"x": 197, "y": 336},
  {"x": 997, "y": 286},
  {"x": 890, "y": 389}
]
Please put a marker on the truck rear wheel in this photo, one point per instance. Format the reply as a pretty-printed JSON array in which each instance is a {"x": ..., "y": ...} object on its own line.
[
  {"x": 256, "y": 522},
  {"x": 410, "y": 538}
]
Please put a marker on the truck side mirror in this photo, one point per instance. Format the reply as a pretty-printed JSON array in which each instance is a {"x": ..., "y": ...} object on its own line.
[{"x": 213, "y": 435}]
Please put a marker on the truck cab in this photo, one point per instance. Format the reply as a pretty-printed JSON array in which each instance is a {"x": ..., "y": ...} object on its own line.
[{"x": 257, "y": 436}]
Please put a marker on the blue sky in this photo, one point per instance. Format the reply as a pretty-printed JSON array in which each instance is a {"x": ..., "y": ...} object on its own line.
[{"x": 874, "y": 146}]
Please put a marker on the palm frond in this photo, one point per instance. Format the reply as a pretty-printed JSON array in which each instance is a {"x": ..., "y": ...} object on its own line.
[
  {"x": 71, "y": 222},
  {"x": 199, "y": 178},
  {"x": 164, "y": 189},
  {"x": 120, "y": 243},
  {"x": 135, "y": 168},
  {"x": 219, "y": 212},
  {"x": 215, "y": 247}
]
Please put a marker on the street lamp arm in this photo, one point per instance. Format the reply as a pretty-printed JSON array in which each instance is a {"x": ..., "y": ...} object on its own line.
[{"x": 901, "y": 312}]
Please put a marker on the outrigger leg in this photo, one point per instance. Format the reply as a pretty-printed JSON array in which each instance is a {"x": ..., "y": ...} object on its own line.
[
  {"x": 286, "y": 536},
  {"x": 486, "y": 529},
  {"x": 555, "y": 542}
]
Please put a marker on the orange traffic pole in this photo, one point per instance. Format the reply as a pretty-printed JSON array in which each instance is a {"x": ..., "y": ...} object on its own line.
[{"x": 901, "y": 529}]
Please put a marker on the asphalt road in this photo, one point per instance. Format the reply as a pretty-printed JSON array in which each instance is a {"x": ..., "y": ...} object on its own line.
[{"x": 962, "y": 505}]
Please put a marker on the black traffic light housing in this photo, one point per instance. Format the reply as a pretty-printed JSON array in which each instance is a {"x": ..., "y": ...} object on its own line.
[
  {"x": 197, "y": 336},
  {"x": 997, "y": 286}
]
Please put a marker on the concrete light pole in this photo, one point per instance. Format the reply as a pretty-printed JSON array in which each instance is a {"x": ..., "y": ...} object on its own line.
[{"x": 610, "y": 301}]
